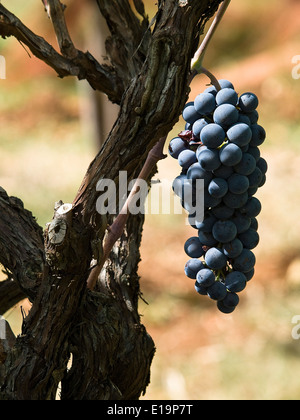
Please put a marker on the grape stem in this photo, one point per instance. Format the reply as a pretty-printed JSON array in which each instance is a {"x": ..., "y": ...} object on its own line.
[
  {"x": 197, "y": 61},
  {"x": 213, "y": 79}
]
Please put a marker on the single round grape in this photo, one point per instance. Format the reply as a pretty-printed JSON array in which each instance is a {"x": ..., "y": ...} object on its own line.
[
  {"x": 262, "y": 165},
  {"x": 200, "y": 150},
  {"x": 206, "y": 238},
  {"x": 248, "y": 102},
  {"x": 227, "y": 96},
  {"x": 212, "y": 136},
  {"x": 254, "y": 151},
  {"x": 226, "y": 115},
  {"x": 252, "y": 207},
  {"x": 192, "y": 267},
  {"x": 238, "y": 184},
  {"x": 205, "y": 103},
  {"x": 217, "y": 291},
  {"x": 189, "y": 114},
  {"x": 240, "y": 134},
  {"x": 231, "y": 300},
  {"x": 255, "y": 178},
  {"x": 209, "y": 159},
  {"x": 200, "y": 289},
  {"x": 262, "y": 182},
  {"x": 254, "y": 223},
  {"x": 249, "y": 239},
  {"x": 224, "y": 231},
  {"x": 258, "y": 135},
  {"x": 215, "y": 259},
  {"x": 176, "y": 146},
  {"x": 235, "y": 281},
  {"x": 253, "y": 116},
  {"x": 193, "y": 247},
  {"x": 225, "y": 309},
  {"x": 196, "y": 171},
  {"x": 250, "y": 274},
  {"x": 218, "y": 187},
  {"x": 245, "y": 261},
  {"x": 186, "y": 158},
  {"x": 205, "y": 277},
  {"x": 241, "y": 222},
  {"x": 224, "y": 83},
  {"x": 230, "y": 154},
  {"x": 246, "y": 165},
  {"x": 233, "y": 249},
  {"x": 178, "y": 185},
  {"x": 198, "y": 127}
]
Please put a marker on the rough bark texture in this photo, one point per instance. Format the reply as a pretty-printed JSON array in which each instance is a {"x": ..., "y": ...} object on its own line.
[
  {"x": 111, "y": 350},
  {"x": 10, "y": 295},
  {"x": 21, "y": 244},
  {"x": 109, "y": 319}
]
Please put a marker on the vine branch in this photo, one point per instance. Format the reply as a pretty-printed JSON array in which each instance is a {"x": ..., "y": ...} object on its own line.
[
  {"x": 56, "y": 12},
  {"x": 84, "y": 66},
  {"x": 197, "y": 66}
]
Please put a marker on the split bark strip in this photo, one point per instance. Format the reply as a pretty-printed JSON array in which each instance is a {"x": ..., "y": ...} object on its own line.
[{"x": 130, "y": 38}]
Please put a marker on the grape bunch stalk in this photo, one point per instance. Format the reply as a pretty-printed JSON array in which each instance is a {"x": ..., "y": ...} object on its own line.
[{"x": 220, "y": 145}]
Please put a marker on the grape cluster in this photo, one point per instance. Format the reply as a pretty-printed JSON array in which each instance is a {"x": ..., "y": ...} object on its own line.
[{"x": 220, "y": 145}]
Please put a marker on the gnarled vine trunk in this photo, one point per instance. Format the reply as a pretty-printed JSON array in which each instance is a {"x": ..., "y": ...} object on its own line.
[{"x": 147, "y": 75}]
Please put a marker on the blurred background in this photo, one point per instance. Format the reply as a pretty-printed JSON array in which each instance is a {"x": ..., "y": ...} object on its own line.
[{"x": 48, "y": 138}]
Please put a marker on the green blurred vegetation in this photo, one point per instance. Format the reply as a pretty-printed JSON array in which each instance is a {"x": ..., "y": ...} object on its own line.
[{"x": 45, "y": 150}]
